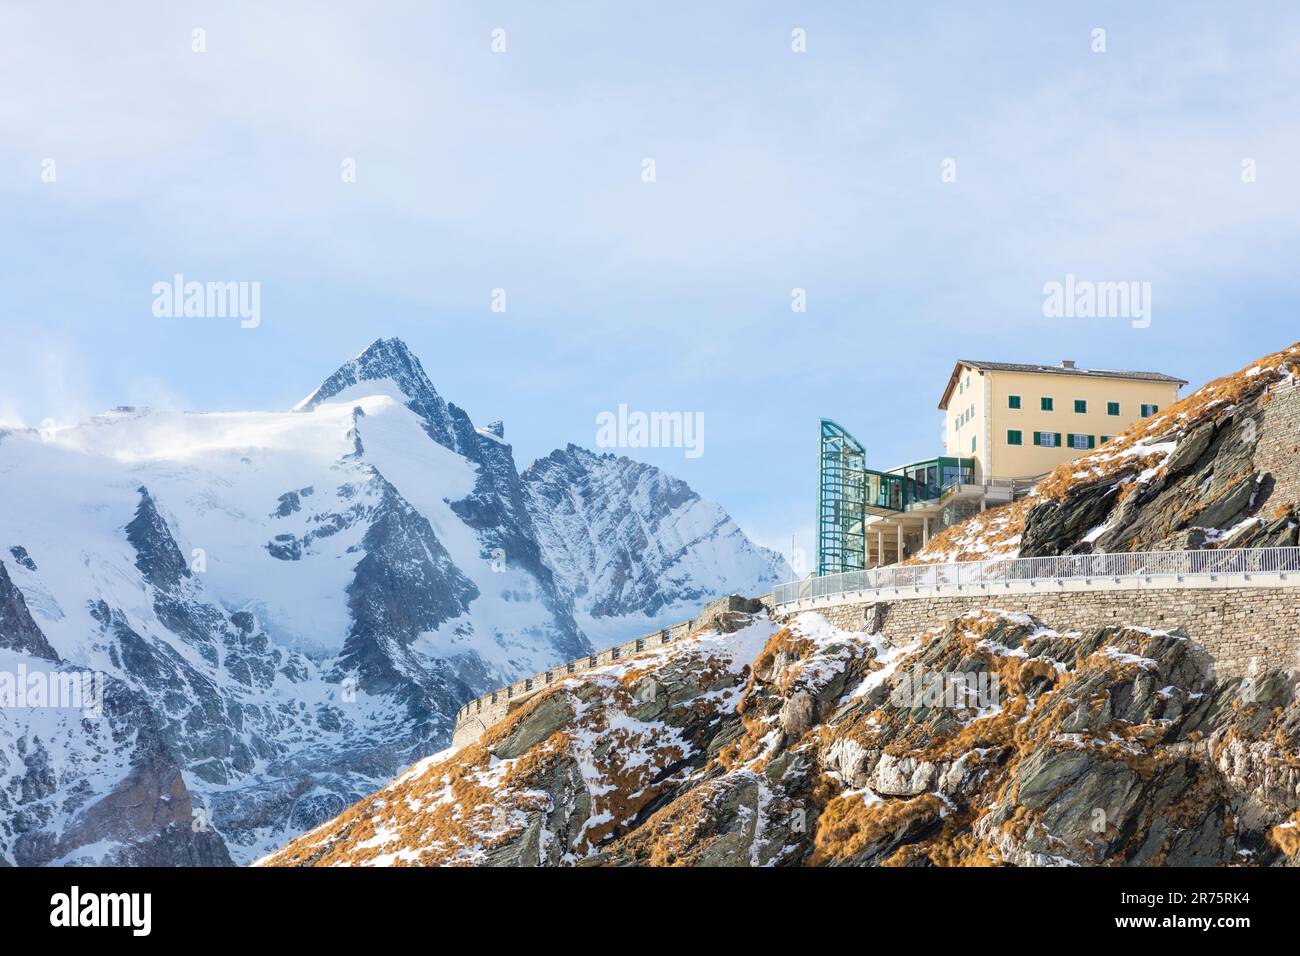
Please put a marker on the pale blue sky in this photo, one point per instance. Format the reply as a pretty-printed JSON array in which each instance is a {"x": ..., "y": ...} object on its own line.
[{"x": 523, "y": 171}]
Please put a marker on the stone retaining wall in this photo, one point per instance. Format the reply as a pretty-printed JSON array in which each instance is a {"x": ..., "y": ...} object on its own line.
[
  {"x": 1242, "y": 630},
  {"x": 1239, "y": 628},
  {"x": 482, "y": 712},
  {"x": 1278, "y": 449}
]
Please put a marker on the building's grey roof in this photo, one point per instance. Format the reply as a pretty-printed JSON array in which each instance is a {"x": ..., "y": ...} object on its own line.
[{"x": 1061, "y": 369}]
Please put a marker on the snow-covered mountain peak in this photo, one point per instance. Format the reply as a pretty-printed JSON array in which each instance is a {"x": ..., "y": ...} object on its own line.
[
  {"x": 389, "y": 367},
  {"x": 381, "y": 359},
  {"x": 288, "y": 607}
]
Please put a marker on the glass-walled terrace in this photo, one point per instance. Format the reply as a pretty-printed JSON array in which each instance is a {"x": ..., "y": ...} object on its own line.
[{"x": 929, "y": 479}]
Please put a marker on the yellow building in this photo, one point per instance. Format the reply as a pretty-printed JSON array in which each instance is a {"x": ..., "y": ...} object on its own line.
[
  {"x": 1005, "y": 426},
  {"x": 1021, "y": 421}
]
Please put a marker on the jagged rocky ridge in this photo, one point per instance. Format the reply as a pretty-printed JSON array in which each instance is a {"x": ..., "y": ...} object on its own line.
[
  {"x": 287, "y": 609},
  {"x": 631, "y": 539},
  {"x": 809, "y": 745}
]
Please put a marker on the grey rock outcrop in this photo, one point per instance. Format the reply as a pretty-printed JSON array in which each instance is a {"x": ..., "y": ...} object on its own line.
[
  {"x": 18, "y": 631},
  {"x": 1210, "y": 484}
]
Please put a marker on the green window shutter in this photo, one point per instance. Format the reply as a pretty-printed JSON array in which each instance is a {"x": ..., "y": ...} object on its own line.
[
  {"x": 1013, "y": 401},
  {"x": 1081, "y": 406},
  {"x": 1058, "y": 439},
  {"x": 1092, "y": 441},
  {"x": 1014, "y": 437},
  {"x": 1045, "y": 404},
  {"x": 1112, "y": 408},
  {"x": 972, "y": 442},
  {"x": 1104, "y": 439},
  {"x": 1038, "y": 438}
]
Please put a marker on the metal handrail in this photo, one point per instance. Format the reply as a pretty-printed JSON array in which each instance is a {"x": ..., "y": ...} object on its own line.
[{"x": 1134, "y": 564}]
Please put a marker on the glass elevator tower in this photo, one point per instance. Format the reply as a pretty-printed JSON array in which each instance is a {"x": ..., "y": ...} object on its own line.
[{"x": 841, "y": 516}]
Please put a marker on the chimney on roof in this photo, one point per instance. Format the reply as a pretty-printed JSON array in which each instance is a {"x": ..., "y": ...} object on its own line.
[{"x": 1067, "y": 363}]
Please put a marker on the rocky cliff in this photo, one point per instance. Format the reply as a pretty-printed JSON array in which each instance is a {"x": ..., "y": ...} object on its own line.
[{"x": 996, "y": 740}]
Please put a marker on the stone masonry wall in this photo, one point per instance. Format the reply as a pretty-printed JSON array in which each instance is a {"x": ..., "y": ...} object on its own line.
[
  {"x": 1278, "y": 450},
  {"x": 483, "y": 712},
  {"x": 1239, "y": 628}
]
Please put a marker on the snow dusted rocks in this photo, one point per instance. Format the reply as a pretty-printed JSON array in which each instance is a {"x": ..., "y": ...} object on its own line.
[
  {"x": 811, "y": 745},
  {"x": 564, "y": 774},
  {"x": 405, "y": 585},
  {"x": 390, "y": 362},
  {"x": 1207, "y": 486},
  {"x": 287, "y": 609}
]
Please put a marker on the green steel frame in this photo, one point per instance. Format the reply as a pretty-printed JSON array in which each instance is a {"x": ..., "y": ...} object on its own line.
[
  {"x": 841, "y": 520},
  {"x": 848, "y": 491}
]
